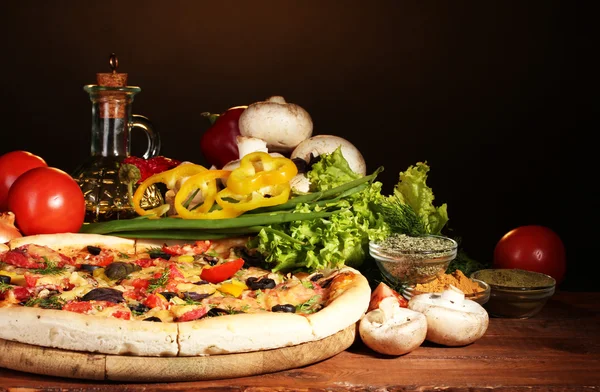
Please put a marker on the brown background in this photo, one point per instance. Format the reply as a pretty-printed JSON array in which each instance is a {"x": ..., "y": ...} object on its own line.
[{"x": 485, "y": 92}]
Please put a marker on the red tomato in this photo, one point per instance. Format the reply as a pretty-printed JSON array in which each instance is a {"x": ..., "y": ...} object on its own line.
[
  {"x": 46, "y": 200},
  {"x": 78, "y": 306},
  {"x": 145, "y": 262},
  {"x": 154, "y": 301},
  {"x": 122, "y": 314},
  {"x": 140, "y": 283},
  {"x": 22, "y": 293},
  {"x": 532, "y": 248},
  {"x": 30, "y": 280},
  {"x": 174, "y": 272},
  {"x": 193, "y": 314},
  {"x": 383, "y": 291},
  {"x": 12, "y": 165},
  {"x": 221, "y": 272},
  {"x": 177, "y": 250}
]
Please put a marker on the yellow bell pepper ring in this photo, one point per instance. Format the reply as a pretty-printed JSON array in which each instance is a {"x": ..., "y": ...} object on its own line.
[
  {"x": 268, "y": 196},
  {"x": 169, "y": 178},
  {"x": 206, "y": 182},
  {"x": 258, "y": 170}
]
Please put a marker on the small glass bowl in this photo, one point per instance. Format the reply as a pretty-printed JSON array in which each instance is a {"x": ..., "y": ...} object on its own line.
[
  {"x": 413, "y": 266},
  {"x": 480, "y": 297},
  {"x": 517, "y": 302}
]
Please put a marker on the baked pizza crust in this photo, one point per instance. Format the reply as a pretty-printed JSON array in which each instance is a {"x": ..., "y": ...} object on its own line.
[
  {"x": 346, "y": 309},
  {"x": 242, "y": 333},
  {"x": 209, "y": 336},
  {"x": 79, "y": 332},
  {"x": 4, "y": 248},
  {"x": 69, "y": 242}
]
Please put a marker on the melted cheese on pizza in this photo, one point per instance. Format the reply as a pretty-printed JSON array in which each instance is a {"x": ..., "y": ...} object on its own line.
[{"x": 162, "y": 285}]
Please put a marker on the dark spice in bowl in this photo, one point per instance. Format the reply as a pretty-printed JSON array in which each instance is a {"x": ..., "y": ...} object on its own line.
[
  {"x": 516, "y": 293},
  {"x": 514, "y": 278}
]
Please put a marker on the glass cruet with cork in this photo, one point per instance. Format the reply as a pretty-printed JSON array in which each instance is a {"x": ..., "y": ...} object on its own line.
[{"x": 106, "y": 197}]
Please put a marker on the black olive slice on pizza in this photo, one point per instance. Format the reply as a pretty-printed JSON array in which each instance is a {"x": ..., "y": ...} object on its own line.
[{"x": 105, "y": 294}]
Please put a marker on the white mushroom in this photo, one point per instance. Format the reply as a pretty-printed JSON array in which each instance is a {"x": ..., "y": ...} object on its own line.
[
  {"x": 391, "y": 329},
  {"x": 300, "y": 183},
  {"x": 280, "y": 124},
  {"x": 326, "y": 144},
  {"x": 247, "y": 145},
  {"x": 452, "y": 320}
]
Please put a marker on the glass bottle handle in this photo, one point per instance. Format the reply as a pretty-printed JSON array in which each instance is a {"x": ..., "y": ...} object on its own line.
[{"x": 143, "y": 123}]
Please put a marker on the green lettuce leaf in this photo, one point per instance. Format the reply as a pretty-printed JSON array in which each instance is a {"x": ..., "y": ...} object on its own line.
[
  {"x": 341, "y": 239},
  {"x": 412, "y": 189},
  {"x": 330, "y": 171}
]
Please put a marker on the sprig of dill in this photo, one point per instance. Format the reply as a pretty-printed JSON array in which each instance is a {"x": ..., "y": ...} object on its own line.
[
  {"x": 5, "y": 287},
  {"x": 401, "y": 217},
  {"x": 51, "y": 268},
  {"x": 160, "y": 282},
  {"x": 189, "y": 301},
  {"x": 53, "y": 302}
]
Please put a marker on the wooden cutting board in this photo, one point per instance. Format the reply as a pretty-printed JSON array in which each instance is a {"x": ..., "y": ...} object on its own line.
[{"x": 72, "y": 364}]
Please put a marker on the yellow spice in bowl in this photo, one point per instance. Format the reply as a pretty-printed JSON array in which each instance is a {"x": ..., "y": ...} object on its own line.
[{"x": 456, "y": 279}]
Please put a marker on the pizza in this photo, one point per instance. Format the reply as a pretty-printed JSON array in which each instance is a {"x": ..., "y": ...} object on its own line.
[{"x": 113, "y": 295}]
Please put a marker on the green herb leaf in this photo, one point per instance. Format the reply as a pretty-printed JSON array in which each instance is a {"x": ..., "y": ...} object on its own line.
[
  {"x": 136, "y": 311},
  {"x": 464, "y": 263},
  {"x": 160, "y": 282},
  {"x": 53, "y": 302},
  {"x": 308, "y": 306},
  {"x": 307, "y": 284},
  {"x": 232, "y": 310},
  {"x": 189, "y": 301},
  {"x": 51, "y": 268},
  {"x": 5, "y": 287},
  {"x": 401, "y": 218}
]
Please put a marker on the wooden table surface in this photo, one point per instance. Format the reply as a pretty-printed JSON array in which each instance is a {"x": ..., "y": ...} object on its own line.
[{"x": 557, "y": 350}]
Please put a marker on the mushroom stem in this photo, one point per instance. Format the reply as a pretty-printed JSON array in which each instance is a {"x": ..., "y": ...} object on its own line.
[
  {"x": 276, "y": 99},
  {"x": 247, "y": 145}
]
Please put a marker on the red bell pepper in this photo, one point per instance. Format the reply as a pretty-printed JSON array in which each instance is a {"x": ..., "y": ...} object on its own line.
[
  {"x": 150, "y": 166},
  {"x": 222, "y": 272},
  {"x": 219, "y": 144}
]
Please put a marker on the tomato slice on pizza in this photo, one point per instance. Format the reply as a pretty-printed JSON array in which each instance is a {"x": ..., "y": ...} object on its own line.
[{"x": 195, "y": 297}]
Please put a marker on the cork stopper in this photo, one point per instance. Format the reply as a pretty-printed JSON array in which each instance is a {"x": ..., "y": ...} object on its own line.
[
  {"x": 112, "y": 103},
  {"x": 114, "y": 78}
]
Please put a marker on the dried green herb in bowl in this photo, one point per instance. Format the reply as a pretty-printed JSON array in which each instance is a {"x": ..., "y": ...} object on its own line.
[
  {"x": 405, "y": 259},
  {"x": 516, "y": 293},
  {"x": 514, "y": 278}
]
